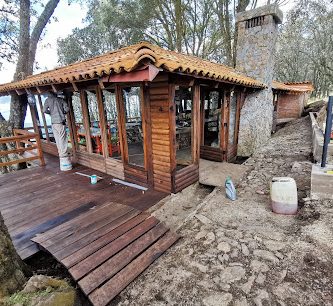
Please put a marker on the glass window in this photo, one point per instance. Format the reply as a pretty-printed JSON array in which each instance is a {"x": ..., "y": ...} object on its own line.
[
  {"x": 232, "y": 117},
  {"x": 183, "y": 101},
  {"x": 212, "y": 118},
  {"x": 133, "y": 120},
  {"x": 111, "y": 115}
]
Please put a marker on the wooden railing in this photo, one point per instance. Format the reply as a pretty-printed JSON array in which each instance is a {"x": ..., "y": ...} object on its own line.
[{"x": 27, "y": 146}]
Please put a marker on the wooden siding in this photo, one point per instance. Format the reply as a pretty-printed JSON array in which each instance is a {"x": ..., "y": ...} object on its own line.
[
  {"x": 289, "y": 106},
  {"x": 186, "y": 176},
  {"x": 161, "y": 110},
  {"x": 211, "y": 153},
  {"x": 50, "y": 147}
]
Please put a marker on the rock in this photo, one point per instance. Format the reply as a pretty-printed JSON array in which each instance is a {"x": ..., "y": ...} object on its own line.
[
  {"x": 234, "y": 254},
  {"x": 199, "y": 266},
  {"x": 273, "y": 245},
  {"x": 210, "y": 237},
  {"x": 258, "y": 266},
  {"x": 42, "y": 290},
  {"x": 241, "y": 302},
  {"x": 260, "y": 191},
  {"x": 224, "y": 287},
  {"x": 261, "y": 296},
  {"x": 253, "y": 245},
  {"x": 284, "y": 290},
  {"x": 203, "y": 219},
  {"x": 224, "y": 247},
  {"x": 296, "y": 167},
  {"x": 42, "y": 282},
  {"x": 245, "y": 250},
  {"x": 266, "y": 255},
  {"x": 201, "y": 235},
  {"x": 260, "y": 278},
  {"x": 218, "y": 299},
  {"x": 232, "y": 274},
  {"x": 223, "y": 258},
  {"x": 248, "y": 285},
  {"x": 232, "y": 264}
]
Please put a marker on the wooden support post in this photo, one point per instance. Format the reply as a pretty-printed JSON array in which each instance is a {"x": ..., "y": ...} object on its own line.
[
  {"x": 146, "y": 127},
  {"x": 196, "y": 125},
  {"x": 72, "y": 132},
  {"x": 102, "y": 120},
  {"x": 202, "y": 117},
  {"x": 40, "y": 151},
  {"x": 44, "y": 119},
  {"x": 34, "y": 119},
  {"x": 122, "y": 124},
  {"x": 224, "y": 135},
  {"x": 238, "y": 109},
  {"x": 86, "y": 121},
  {"x": 172, "y": 135}
]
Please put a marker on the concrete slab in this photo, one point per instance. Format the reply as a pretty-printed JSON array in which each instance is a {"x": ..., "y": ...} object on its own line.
[
  {"x": 215, "y": 173},
  {"x": 321, "y": 182}
]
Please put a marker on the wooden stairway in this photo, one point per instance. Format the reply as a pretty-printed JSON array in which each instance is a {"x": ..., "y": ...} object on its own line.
[{"x": 106, "y": 248}]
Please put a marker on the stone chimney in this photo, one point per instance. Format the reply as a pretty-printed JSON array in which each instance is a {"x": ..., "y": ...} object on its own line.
[{"x": 257, "y": 34}]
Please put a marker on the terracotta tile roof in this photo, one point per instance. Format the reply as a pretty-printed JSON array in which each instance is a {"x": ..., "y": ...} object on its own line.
[
  {"x": 293, "y": 87},
  {"x": 127, "y": 59}
]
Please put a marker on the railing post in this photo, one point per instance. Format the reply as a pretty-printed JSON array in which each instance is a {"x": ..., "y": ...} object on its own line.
[
  {"x": 328, "y": 130},
  {"x": 40, "y": 151}
]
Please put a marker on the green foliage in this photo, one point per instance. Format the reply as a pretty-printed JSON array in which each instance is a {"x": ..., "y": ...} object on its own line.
[
  {"x": 305, "y": 46},
  {"x": 203, "y": 28}
]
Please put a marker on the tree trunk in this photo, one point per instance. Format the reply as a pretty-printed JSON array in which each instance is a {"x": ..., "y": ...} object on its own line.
[{"x": 11, "y": 266}]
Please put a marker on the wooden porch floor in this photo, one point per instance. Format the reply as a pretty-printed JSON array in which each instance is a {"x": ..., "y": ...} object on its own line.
[
  {"x": 38, "y": 199},
  {"x": 100, "y": 233}
]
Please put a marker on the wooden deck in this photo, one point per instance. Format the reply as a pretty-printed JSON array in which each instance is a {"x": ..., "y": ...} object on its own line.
[
  {"x": 37, "y": 199},
  {"x": 100, "y": 233}
]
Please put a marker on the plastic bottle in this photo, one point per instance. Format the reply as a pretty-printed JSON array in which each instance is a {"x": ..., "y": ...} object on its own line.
[{"x": 230, "y": 189}]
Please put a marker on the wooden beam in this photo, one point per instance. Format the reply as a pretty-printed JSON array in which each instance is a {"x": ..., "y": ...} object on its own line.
[
  {"x": 101, "y": 84},
  {"x": 20, "y": 92},
  {"x": 54, "y": 88},
  {"x": 172, "y": 134},
  {"x": 27, "y": 91},
  {"x": 196, "y": 125},
  {"x": 148, "y": 138},
  {"x": 146, "y": 73},
  {"x": 75, "y": 87},
  {"x": 43, "y": 118},
  {"x": 73, "y": 125},
  {"x": 72, "y": 132},
  {"x": 121, "y": 124},
  {"x": 86, "y": 120},
  {"x": 102, "y": 120},
  {"x": 38, "y": 90}
]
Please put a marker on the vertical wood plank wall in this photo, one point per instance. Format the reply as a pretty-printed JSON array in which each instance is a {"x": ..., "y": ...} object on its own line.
[{"x": 161, "y": 116}]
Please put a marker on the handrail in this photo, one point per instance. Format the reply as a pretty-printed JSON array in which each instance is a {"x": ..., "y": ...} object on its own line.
[{"x": 22, "y": 137}]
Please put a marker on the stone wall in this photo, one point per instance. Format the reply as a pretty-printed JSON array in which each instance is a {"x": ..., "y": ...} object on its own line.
[{"x": 257, "y": 34}]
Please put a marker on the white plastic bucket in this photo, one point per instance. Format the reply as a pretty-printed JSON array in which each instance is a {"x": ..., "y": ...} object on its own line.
[
  {"x": 284, "y": 195},
  {"x": 65, "y": 164}
]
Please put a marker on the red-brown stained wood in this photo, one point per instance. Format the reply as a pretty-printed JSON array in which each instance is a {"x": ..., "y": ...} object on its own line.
[
  {"x": 97, "y": 244},
  {"x": 100, "y": 231},
  {"x": 103, "y": 295},
  {"x": 100, "y": 256},
  {"x": 120, "y": 260}
]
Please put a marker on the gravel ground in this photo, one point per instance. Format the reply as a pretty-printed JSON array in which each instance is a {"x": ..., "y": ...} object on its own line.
[{"x": 240, "y": 253}]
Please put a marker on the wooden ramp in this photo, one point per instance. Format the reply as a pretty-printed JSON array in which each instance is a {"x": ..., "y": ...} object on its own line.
[{"x": 106, "y": 248}]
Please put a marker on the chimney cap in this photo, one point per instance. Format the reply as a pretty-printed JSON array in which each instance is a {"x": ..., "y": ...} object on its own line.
[{"x": 270, "y": 9}]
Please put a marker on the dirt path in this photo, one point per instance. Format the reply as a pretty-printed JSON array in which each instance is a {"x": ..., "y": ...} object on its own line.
[{"x": 240, "y": 253}]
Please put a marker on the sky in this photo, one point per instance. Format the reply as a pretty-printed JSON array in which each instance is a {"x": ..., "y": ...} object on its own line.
[{"x": 69, "y": 17}]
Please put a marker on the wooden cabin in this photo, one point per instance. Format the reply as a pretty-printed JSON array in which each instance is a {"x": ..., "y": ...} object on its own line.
[
  {"x": 144, "y": 114},
  {"x": 290, "y": 100}
]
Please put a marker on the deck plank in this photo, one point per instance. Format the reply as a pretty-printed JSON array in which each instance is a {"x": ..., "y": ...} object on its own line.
[{"x": 103, "y": 295}]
